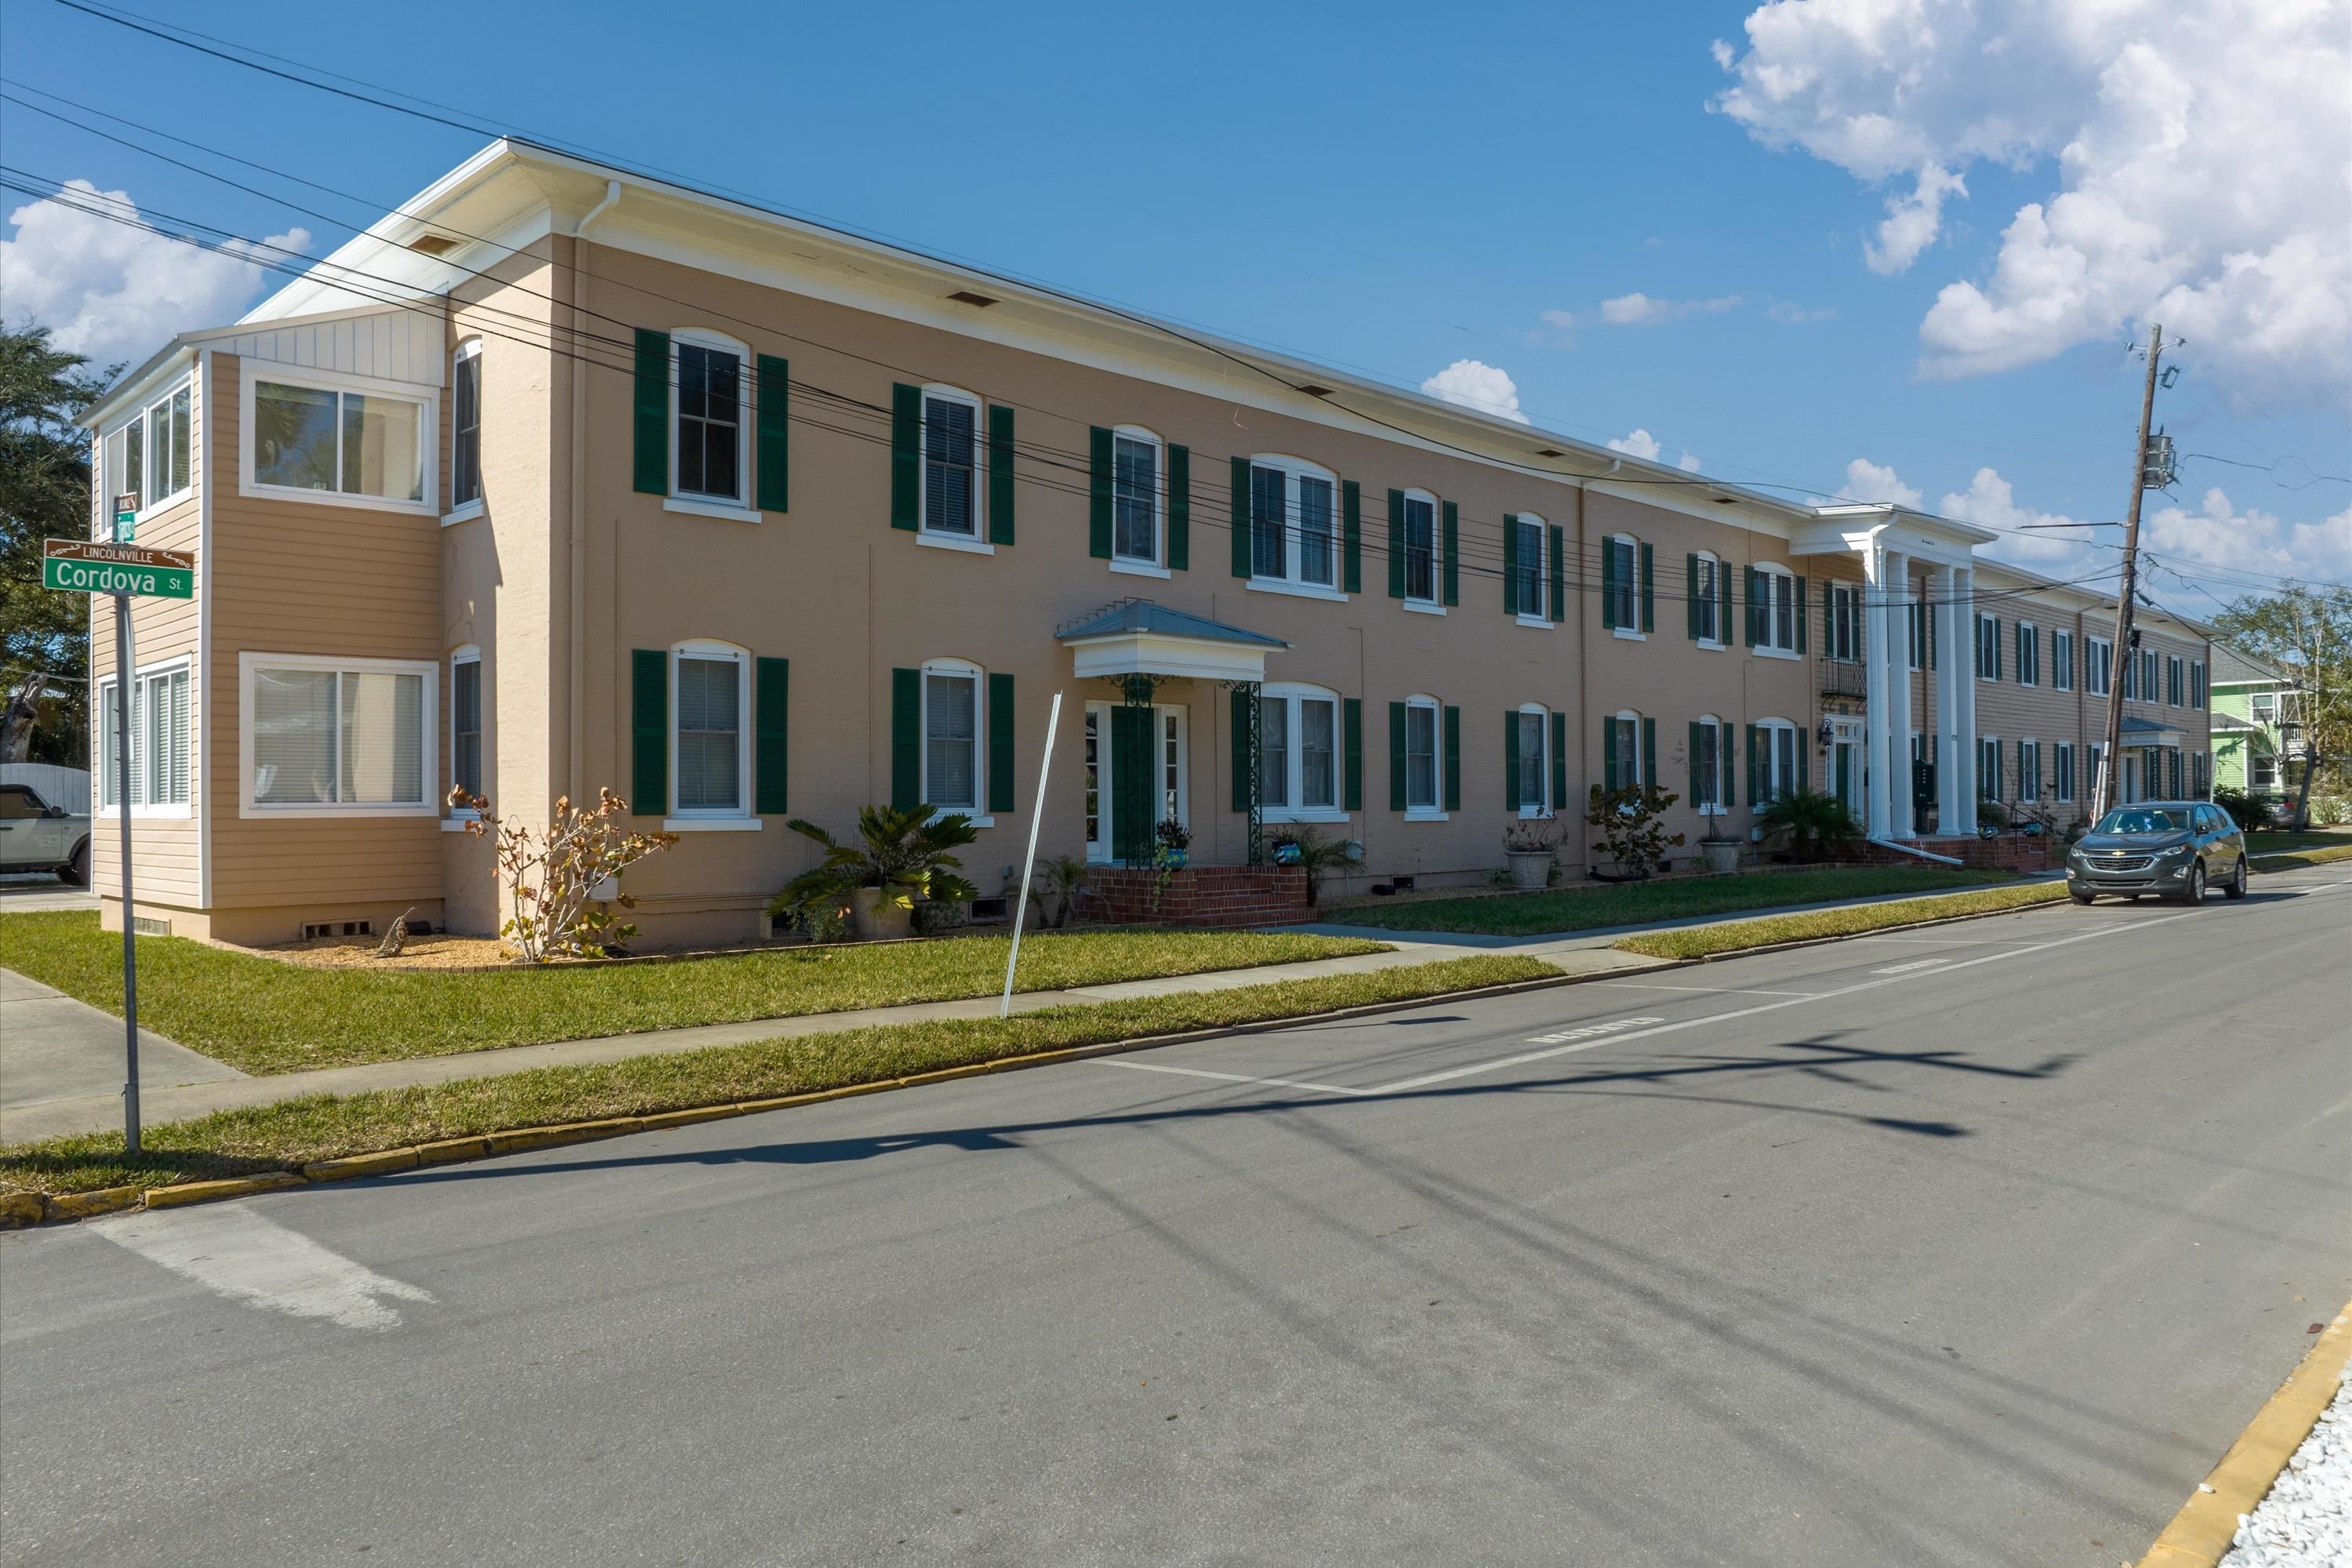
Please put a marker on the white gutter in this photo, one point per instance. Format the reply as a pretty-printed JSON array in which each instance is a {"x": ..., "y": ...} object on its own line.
[{"x": 1901, "y": 848}]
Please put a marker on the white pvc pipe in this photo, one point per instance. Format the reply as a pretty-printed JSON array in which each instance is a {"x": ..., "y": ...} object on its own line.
[
  {"x": 1915, "y": 849},
  {"x": 1029, "y": 863}
]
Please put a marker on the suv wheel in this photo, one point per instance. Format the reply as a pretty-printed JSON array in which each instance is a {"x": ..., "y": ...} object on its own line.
[
  {"x": 2236, "y": 885},
  {"x": 2195, "y": 892},
  {"x": 75, "y": 873},
  {"x": 2079, "y": 895}
]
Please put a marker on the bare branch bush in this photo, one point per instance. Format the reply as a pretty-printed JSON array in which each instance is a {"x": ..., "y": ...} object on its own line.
[{"x": 555, "y": 879}]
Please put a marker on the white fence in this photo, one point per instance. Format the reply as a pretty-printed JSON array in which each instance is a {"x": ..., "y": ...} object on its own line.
[{"x": 69, "y": 787}]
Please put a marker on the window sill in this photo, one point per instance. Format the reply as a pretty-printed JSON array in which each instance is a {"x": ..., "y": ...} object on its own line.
[
  {"x": 711, "y": 824},
  {"x": 1425, "y": 813},
  {"x": 1710, "y": 809},
  {"x": 1295, "y": 589},
  {"x": 1304, "y": 814},
  {"x": 1138, "y": 568},
  {"x": 1536, "y": 623},
  {"x": 1628, "y": 634},
  {"x": 466, "y": 513},
  {"x": 1534, "y": 814},
  {"x": 1425, "y": 607},
  {"x": 1760, "y": 651},
  {"x": 1709, "y": 645},
  {"x": 723, "y": 510},
  {"x": 955, "y": 542},
  {"x": 336, "y": 498},
  {"x": 250, "y": 811},
  {"x": 143, "y": 812},
  {"x": 459, "y": 822}
]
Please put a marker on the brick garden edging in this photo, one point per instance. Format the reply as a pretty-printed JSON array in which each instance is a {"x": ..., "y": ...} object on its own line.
[{"x": 1196, "y": 896}]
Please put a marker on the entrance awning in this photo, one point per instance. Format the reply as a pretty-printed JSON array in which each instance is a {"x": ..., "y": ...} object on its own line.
[
  {"x": 2141, "y": 733},
  {"x": 1139, "y": 636}
]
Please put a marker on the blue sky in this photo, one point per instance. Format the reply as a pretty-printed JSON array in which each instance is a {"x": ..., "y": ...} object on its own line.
[{"x": 1379, "y": 187}]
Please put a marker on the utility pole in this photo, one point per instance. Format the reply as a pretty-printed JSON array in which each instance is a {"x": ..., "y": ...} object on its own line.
[{"x": 2111, "y": 763}]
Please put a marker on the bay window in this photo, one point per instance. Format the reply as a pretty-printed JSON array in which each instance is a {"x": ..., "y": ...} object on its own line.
[
  {"x": 323, "y": 737},
  {"x": 159, "y": 739},
  {"x": 366, "y": 444},
  {"x": 147, "y": 456}
]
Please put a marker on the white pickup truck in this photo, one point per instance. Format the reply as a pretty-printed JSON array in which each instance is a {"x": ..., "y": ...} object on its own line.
[{"x": 37, "y": 837}]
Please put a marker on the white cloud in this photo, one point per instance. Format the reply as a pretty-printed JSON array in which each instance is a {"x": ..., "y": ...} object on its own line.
[
  {"x": 1563, "y": 320},
  {"x": 2191, "y": 184},
  {"x": 117, "y": 290},
  {"x": 1476, "y": 384},
  {"x": 1867, "y": 481},
  {"x": 2048, "y": 539},
  {"x": 1638, "y": 310},
  {"x": 1789, "y": 310},
  {"x": 2218, "y": 534},
  {"x": 1642, "y": 445}
]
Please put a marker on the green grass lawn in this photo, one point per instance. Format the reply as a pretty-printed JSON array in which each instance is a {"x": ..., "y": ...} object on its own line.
[
  {"x": 1731, "y": 936},
  {"x": 265, "y": 1015},
  {"x": 324, "y": 1127},
  {"x": 2273, "y": 843},
  {"x": 2274, "y": 861},
  {"x": 1638, "y": 903}
]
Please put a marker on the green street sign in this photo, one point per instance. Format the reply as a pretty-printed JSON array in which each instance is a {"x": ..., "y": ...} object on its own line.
[
  {"x": 126, "y": 517},
  {"x": 78, "y": 566}
]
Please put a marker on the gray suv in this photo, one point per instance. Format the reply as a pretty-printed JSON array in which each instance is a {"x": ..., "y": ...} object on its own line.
[
  {"x": 37, "y": 837},
  {"x": 2173, "y": 848}
]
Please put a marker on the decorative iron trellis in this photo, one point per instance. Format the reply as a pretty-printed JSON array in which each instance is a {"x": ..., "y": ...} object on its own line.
[{"x": 1252, "y": 746}]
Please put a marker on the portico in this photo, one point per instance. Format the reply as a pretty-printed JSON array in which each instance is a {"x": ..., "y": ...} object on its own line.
[{"x": 1898, "y": 551}]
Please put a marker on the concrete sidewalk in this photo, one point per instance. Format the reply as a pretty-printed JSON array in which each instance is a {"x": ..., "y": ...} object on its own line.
[{"x": 63, "y": 1058}]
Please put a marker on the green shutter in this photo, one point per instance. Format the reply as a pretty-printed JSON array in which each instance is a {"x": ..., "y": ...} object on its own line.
[
  {"x": 1829, "y": 621},
  {"x": 906, "y": 739},
  {"x": 1559, "y": 762},
  {"x": 905, "y": 458},
  {"x": 1000, "y": 475},
  {"x": 1240, "y": 717},
  {"x": 649, "y": 732},
  {"x": 1242, "y": 526},
  {"x": 1650, "y": 752},
  {"x": 1451, "y": 515},
  {"x": 1180, "y": 509},
  {"x": 1608, "y": 754},
  {"x": 1728, "y": 794},
  {"x": 1649, "y": 617},
  {"x": 1995, "y": 647},
  {"x": 1690, "y": 596},
  {"x": 1453, "y": 759},
  {"x": 1608, "y": 584},
  {"x": 1098, "y": 481},
  {"x": 651, "y": 421},
  {"x": 2021, "y": 772},
  {"x": 776, "y": 450},
  {"x": 1352, "y": 536},
  {"x": 1510, "y": 564},
  {"x": 1694, "y": 797},
  {"x": 1351, "y": 723},
  {"x": 999, "y": 742},
  {"x": 1510, "y": 755},
  {"x": 1396, "y": 544},
  {"x": 1759, "y": 762},
  {"x": 1748, "y": 596},
  {"x": 772, "y": 756},
  {"x": 1804, "y": 779},
  {"x": 1558, "y": 575},
  {"x": 1396, "y": 756},
  {"x": 1798, "y": 588}
]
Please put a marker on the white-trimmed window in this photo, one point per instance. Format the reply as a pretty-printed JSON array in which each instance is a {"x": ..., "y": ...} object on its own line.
[
  {"x": 1988, "y": 648},
  {"x": 1622, "y": 764},
  {"x": 1298, "y": 734},
  {"x": 1989, "y": 767},
  {"x": 2098, "y": 666},
  {"x": 465, "y": 427},
  {"x": 148, "y": 456},
  {"x": 1531, "y": 761},
  {"x": 2197, "y": 683},
  {"x": 1620, "y": 584},
  {"x": 2028, "y": 771},
  {"x": 953, "y": 694},
  {"x": 1917, "y": 632},
  {"x": 2029, "y": 654},
  {"x": 951, "y": 486},
  {"x": 2146, "y": 692},
  {"x": 2062, "y": 769},
  {"x": 1780, "y": 757},
  {"x": 1775, "y": 608},
  {"x": 466, "y": 727},
  {"x": 705, "y": 402},
  {"x": 1711, "y": 607},
  {"x": 313, "y": 434},
  {"x": 1137, "y": 486},
  {"x": 327, "y": 737},
  {"x": 1529, "y": 532},
  {"x": 2176, "y": 683},
  {"x": 1420, "y": 533},
  {"x": 159, "y": 740},
  {"x": 711, "y": 694},
  {"x": 2061, "y": 662},
  {"x": 1844, "y": 631},
  {"x": 1707, "y": 775},
  {"x": 1293, "y": 537},
  {"x": 1423, "y": 718}
]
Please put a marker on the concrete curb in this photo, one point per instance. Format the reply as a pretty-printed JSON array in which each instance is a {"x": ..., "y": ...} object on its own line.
[
  {"x": 2200, "y": 1534},
  {"x": 1874, "y": 931},
  {"x": 21, "y": 1209}
]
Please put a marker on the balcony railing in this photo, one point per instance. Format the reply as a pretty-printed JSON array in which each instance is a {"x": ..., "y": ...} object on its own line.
[{"x": 1842, "y": 677}]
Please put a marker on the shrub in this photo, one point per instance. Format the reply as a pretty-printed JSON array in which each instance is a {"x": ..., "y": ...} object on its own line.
[
  {"x": 557, "y": 881},
  {"x": 1058, "y": 883},
  {"x": 1320, "y": 856},
  {"x": 934, "y": 916},
  {"x": 903, "y": 852},
  {"x": 1632, "y": 833},
  {"x": 1815, "y": 823},
  {"x": 2245, "y": 810}
]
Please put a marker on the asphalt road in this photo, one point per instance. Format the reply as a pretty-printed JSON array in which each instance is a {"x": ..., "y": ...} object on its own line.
[{"x": 1974, "y": 1246}]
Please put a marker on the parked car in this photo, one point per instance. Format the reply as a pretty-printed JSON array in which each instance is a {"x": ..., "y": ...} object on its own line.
[
  {"x": 37, "y": 837},
  {"x": 2174, "y": 849}
]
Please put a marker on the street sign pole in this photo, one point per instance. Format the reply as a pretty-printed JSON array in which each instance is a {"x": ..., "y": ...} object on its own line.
[
  {"x": 1029, "y": 862},
  {"x": 122, "y": 690}
]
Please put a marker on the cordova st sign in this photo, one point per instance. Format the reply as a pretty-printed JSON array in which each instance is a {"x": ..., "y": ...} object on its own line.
[{"x": 80, "y": 566}]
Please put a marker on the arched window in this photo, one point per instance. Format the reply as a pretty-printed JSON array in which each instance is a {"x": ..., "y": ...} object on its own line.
[
  {"x": 711, "y": 696},
  {"x": 1298, "y": 731},
  {"x": 954, "y": 762},
  {"x": 1293, "y": 528},
  {"x": 1532, "y": 747},
  {"x": 705, "y": 402}
]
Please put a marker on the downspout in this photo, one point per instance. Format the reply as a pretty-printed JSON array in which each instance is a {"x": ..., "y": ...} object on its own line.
[
  {"x": 576, "y": 774},
  {"x": 1913, "y": 849}
]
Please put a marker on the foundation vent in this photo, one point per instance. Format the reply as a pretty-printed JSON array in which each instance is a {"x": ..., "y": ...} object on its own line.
[
  {"x": 315, "y": 929},
  {"x": 148, "y": 925}
]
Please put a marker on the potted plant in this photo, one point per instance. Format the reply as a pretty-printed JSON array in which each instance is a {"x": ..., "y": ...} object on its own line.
[
  {"x": 1529, "y": 847},
  {"x": 1719, "y": 849},
  {"x": 900, "y": 856},
  {"x": 1319, "y": 855},
  {"x": 1174, "y": 843},
  {"x": 1815, "y": 823},
  {"x": 1632, "y": 833}
]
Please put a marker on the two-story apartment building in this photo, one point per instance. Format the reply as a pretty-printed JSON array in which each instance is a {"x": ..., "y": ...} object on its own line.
[{"x": 561, "y": 477}]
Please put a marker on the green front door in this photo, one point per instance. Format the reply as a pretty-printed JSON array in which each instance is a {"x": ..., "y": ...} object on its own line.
[{"x": 1131, "y": 773}]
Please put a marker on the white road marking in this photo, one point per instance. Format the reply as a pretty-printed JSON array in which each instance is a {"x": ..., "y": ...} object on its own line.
[
  {"x": 1915, "y": 963},
  {"x": 231, "y": 1251},
  {"x": 1711, "y": 990},
  {"x": 1425, "y": 1080},
  {"x": 1586, "y": 1031},
  {"x": 1223, "y": 1077}
]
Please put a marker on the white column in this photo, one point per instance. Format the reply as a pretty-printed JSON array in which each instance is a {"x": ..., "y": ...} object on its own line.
[
  {"x": 1943, "y": 588},
  {"x": 1964, "y": 615},
  {"x": 1877, "y": 687},
  {"x": 1898, "y": 693}
]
